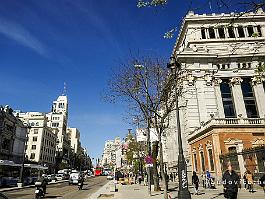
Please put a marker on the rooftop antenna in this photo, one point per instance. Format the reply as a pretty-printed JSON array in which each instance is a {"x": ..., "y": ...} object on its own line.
[
  {"x": 210, "y": 5},
  {"x": 64, "y": 89}
]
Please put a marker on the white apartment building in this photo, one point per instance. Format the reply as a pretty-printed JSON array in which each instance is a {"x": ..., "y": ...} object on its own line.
[
  {"x": 112, "y": 152},
  {"x": 58, "y": 119},
  {"x": 41, "y": 143},
  {"x": 74, "y": 135},
  {"x": 219, "y": 55}
]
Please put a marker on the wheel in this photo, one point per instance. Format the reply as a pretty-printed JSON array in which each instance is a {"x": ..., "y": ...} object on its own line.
[{"x": 37, "y": 196}]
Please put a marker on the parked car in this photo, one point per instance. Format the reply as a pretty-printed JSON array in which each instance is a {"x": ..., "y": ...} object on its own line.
[
  {"x": 59, "y": 176},
  {"x": 51, "y": 177},
  {"x": 74, "y": 178},
  {"x": 109, "y": 177}
]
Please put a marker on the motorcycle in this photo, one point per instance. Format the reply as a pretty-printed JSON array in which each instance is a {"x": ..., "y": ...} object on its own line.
[{"x": 39, "y": 192}]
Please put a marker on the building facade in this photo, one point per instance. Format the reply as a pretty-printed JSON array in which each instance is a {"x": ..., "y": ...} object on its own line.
[
  {"x": 12, "y": 136},
  {"x": 222, "y": 107},
  {"x": 58, "y": 119},
  {"x": 41, "y": 143}
]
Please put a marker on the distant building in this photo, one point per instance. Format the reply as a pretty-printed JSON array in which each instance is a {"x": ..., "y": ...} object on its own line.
[
  {"x": 41, "y": 144},
  {"x": 112, "y": 153},
  {"x": 222, "y": 108},
  {"x": 57, "y": 119},
  {"x": 74, "y": 136}
]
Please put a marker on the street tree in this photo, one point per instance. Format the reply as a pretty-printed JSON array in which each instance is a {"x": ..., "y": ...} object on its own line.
[{"x": 147, "y": 87}]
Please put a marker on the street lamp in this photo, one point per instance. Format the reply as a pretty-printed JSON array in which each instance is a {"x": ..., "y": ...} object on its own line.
[
  {"x": 183, "y": 192},
  {"x": 21, "y": 173},
  {"x": 139, "y": 67}
]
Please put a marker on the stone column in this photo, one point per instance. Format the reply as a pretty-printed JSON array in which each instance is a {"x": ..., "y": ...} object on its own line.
[
  {"x": 259, "y": 95},
  {"x": 241, "y": 159},
  {"x": 218, "y": 97},
  {"x": 238, "y": 96},
  {"x": 200, "y": 87},
  {"x": 216, "y": 153}
]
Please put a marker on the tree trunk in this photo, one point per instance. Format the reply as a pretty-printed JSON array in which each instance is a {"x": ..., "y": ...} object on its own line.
[
  {"x": 164, "y": 178},
  {"x": 154, "y": 155}
]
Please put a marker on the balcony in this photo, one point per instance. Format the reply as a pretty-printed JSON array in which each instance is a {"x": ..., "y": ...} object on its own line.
[{"x": 229, "y": 122}]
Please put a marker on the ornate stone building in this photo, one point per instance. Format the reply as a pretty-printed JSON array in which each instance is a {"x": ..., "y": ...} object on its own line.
[{"x": 222, "y": 108}]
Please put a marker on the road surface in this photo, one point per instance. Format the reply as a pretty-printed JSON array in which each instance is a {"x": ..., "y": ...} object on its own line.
[{"x": 62, "y": 190}]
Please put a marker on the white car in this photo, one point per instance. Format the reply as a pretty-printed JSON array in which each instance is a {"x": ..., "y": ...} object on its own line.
[
  {"x": 59, "y": 176},
  {"x": 109, "y": 177},
  {"x": 74, "y": 178}
]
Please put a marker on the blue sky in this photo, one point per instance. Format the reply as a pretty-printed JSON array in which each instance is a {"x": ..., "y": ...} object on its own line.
[{"x": 46, "y": 43}]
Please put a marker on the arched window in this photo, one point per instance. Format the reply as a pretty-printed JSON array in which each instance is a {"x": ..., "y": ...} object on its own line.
[{"x": 202, "y": 161}]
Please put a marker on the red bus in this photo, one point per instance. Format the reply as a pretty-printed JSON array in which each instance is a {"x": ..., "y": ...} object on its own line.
[{"x": 98, "y": 171}]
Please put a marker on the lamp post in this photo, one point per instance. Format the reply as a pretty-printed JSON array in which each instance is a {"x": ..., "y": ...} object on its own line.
[
  {"x": 21, "y": 173},
  {"x": 183, "y": 192},
  {"x": 138, "y": 66}
]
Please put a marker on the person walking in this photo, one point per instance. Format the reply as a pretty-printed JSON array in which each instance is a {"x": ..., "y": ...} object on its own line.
[
  {"x": 262, "y": 182},
  {"x": 231, "y": 182},
  {"x": 195, "y": 181},
  {"x": 208, "y": 179},
  {"x": 203, "y": 180},
  {"x": 250, "y": 181},
  {"x": 245, "y": 181}
]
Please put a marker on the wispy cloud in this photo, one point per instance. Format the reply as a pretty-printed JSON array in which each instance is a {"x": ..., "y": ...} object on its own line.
[{"x": 22, "y": 36}]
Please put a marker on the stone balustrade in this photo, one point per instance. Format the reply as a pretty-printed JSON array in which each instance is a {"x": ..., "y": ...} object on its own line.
[{"x": 229, "y": 122}]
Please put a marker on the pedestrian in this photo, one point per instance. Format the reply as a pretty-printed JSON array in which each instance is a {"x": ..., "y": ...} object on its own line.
[
  {"x": 203, "y": 180},
  {"x": 208, "y": 179},
  {"x": 245, "y": 181},
  {"x": 145, "y": 179},
  {"x": 195, "y": 181},
  {"x": 250, "y": 181},
  {"x": 262, "y": 182},
  {"x": 231, "y": 182},
  {"x": 140, "y": 179}
]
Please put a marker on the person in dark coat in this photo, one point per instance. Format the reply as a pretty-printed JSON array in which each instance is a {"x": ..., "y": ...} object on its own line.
[
  {"x": 231, "y": 182},
  {"x": 195, "y": 181},
  {"x": 262, "y": 182}
]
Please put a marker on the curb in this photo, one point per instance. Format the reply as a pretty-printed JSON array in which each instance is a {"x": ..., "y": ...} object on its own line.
[{"x": 102, "y": 190}]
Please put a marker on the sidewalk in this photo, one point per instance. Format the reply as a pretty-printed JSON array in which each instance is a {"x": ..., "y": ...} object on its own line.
[{"x": 137, "y": 191}]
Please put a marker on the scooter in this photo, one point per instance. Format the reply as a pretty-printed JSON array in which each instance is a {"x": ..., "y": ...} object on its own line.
[{"x": 39, "y": 192}]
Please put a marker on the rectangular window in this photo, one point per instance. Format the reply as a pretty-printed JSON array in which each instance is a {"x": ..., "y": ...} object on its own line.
[
  {"x": 55, "y": 124},
  {"x": 211, "y": 33},
  {"x": 36, "y": 131},
  {"x": 34, "y": 139},
  {"x": 250, "y": 31},
  {"x": 32, "y": 156},
  {"x": 249, "y": 98},
  {"x": 202, "y": 161},
  {"x": 203, "y": 33},
  {"x": 195, "y": 162},
  {"x": 241, "y": 31},
  {"x": 259, "y": 30},
  {"x": 221, "y": 32},
  {"x": 33, "y": 147},
  {"x": 227, "y": 99},
  {"x": 231, "y": 32},
  {"x": 210, "y": 151}
]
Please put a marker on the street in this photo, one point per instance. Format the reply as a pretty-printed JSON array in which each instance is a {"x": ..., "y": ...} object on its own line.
[{"x": 62, "y": 190}]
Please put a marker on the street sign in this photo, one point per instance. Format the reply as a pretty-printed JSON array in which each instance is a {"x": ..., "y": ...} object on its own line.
[{"x": 149, "y": 160}]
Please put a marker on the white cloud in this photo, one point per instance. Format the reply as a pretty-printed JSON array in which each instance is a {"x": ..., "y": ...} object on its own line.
[{"x": 19, "y": 34}]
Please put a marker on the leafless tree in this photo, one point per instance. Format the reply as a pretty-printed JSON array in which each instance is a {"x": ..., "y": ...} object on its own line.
[{"x": 147, "y": 87}]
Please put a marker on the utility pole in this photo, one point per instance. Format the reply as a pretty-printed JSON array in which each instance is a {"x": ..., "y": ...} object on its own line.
[{"x": 183, "y": 192}]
